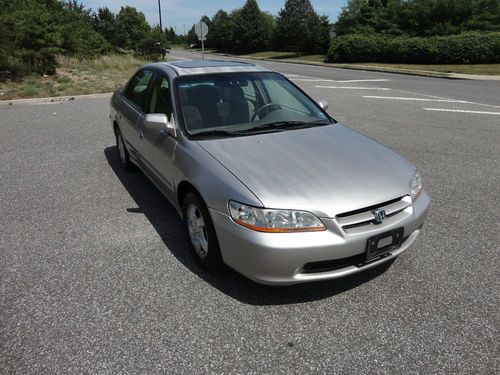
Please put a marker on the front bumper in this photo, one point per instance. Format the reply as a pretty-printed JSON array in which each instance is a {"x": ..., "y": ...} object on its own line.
[{"x": 280, "y": 258}]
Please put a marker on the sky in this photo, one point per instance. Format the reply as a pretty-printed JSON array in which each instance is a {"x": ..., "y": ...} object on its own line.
[{"x": 177, "y": 13}]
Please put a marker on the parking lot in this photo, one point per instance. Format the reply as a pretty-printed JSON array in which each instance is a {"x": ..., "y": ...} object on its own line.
[{"x": 95, "y": 272}]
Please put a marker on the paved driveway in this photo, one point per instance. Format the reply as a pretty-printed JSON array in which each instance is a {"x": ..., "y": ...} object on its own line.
[{"x": 95, "y": 276}]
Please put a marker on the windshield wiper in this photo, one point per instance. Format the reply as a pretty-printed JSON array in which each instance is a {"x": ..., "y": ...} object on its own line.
[
  {"x": 214, "y": 133},
  {"x": 283, "y": 125}
]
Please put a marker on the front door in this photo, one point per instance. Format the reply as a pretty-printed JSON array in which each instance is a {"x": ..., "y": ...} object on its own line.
[
  {"x": 132, "y": 109},
  {"x": 158, "y": 147}
]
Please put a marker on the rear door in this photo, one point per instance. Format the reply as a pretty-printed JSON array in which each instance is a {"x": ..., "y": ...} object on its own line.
[
  {"x": 158, "y": 147},
  {"x": 132, "y": 108}
]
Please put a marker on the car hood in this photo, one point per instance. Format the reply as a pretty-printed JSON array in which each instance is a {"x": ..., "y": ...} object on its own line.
[{"x": 326, "y": 170}]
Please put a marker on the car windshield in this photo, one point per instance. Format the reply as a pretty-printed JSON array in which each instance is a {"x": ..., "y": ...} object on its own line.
[{"x": 235, "y": 104}]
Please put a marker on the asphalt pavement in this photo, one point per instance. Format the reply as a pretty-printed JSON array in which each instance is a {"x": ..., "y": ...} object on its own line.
[{"x": 95, "y": 274}]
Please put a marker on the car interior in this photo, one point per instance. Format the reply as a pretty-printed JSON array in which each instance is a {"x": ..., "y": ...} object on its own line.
[
  {"x": 206, "y": 105},
  {"x": 160, "y": 101}
]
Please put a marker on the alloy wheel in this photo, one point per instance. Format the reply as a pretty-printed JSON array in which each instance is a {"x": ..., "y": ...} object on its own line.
[{"x": 197, "y": 230}]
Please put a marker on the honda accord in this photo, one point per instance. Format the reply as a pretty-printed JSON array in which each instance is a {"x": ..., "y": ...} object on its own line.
[{"x": 264, "y": 179}]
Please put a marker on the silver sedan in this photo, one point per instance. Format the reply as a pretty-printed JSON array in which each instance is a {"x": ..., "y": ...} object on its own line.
[{"x": 264, "y": 179}]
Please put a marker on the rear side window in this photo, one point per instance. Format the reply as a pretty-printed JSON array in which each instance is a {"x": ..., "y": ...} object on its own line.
[{"x": 137, "y": 88}]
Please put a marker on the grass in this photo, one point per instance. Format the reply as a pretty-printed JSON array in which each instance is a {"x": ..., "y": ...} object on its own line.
[
  {"x": 75, "y": 77},
  {"x": 485, "y": 69},
  {"x": 286, "y": 56}
]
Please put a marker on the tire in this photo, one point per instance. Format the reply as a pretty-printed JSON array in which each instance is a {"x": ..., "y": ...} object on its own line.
[
  {"x": 201, "y": 233},
  {"x": 123, "y": 154}
]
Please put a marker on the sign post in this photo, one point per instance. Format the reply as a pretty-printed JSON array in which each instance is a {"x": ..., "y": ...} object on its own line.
[{"x": 201, "y": 30}]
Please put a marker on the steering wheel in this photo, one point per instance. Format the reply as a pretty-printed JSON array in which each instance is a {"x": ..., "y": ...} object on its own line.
[{"x": 265, "y": 106}]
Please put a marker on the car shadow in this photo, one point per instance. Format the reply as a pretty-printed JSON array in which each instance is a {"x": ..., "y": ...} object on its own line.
[{"x": 165, "y": 220}]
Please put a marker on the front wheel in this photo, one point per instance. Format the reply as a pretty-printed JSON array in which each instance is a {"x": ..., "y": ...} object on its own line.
[
  {"x": 201, "y": 232},
  {"x": 122, "y": 151}
]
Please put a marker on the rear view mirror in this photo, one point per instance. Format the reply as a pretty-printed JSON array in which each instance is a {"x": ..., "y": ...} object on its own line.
[
  {"x": 231, "y": 83},
  {"x": 323, "y": 104},
  {"x": 159, "y": 121}
]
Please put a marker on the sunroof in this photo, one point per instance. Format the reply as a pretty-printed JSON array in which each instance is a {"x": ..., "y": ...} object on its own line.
[{"x": 206, "y": 64}]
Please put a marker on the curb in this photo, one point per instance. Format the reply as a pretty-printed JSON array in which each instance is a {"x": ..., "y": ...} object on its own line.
[
  {"x": 54, "y": 99},
  {"x": 423, "y": 73}
]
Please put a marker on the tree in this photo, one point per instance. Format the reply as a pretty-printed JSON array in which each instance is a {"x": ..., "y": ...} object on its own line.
[
  {"x": 171, "y": 35},
  {"x": 269, "y": 27},
  {"x": 485, "y": 16},
  {"x": 418, "y": 17},
  {"x": 104, "y": 23},
  {"x": 192, "y": 38},
  {"x": 300, "y": 29},
  {"x": 320, "y": 35},
  {"x": 153, "y": 44},
  {"x": 30, "y": 37},
  {"x": 207, "y": 20},
  {"x": 250, "y": 29},
  {"x": 131, "y": 28},
  {"x": 220, "y": 34},
  {"x": 79, "y": 35}
]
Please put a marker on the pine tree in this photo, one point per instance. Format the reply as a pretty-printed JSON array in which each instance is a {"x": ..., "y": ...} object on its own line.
[
  {"x": 250, "y": 28},
  {"x": 300, "y": 29}
]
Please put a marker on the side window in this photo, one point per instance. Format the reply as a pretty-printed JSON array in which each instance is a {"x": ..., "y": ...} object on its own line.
[
  {"x": 160, "y": 101},
  {"x": 137, "y": 88}
]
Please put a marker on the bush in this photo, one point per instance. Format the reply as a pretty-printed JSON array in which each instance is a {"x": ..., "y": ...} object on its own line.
[{"x": 466, "y": 48}]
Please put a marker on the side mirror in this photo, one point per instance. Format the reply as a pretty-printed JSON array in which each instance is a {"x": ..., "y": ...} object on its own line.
[
  {"x": 159, "y": 121},
  {"x": 323, "y": 104}
]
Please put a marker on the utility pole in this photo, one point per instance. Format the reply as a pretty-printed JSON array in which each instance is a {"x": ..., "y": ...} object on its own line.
[
  {"x": 159, "y": 13},
  {"x": 184, "y": 29},
  {"x": 161, "y": 26}
]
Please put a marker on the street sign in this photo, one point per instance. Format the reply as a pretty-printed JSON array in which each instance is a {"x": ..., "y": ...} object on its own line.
[{"x": 201, "y": 29}]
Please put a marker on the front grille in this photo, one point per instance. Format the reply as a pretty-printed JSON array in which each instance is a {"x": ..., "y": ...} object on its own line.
[
  {"x": 337, "y": 264},
  {"x": 365, "y": 217},
  {"x": 332, "y": 265}
]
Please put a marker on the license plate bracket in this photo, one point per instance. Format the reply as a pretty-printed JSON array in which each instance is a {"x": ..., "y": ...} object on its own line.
[{"x": 383, "y": 243}]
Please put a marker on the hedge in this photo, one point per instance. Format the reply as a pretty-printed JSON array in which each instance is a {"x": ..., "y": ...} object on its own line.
[{"x": 466, "y": 48}]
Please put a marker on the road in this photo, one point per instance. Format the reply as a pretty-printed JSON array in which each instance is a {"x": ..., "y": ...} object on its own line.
[{"x": 95, "y": 274}]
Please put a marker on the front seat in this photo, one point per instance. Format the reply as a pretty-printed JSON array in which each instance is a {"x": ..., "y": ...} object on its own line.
[
  {"x": 205, "y": 99},
  {"x": 238, "y": 106}
]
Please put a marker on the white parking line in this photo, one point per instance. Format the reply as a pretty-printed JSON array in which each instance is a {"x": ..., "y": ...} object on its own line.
[
  {"x": 354, "y": 88},
  {"x": 338, "y": 81},
  {"x": 461, "y": 111},
  {"x": 440, "y": 97},
  {"x": 363, "y": 80},
  {"x": 181, "y": 58},
  {"x": 312, "y": 79},
  {"x": 416, "y": 99}
]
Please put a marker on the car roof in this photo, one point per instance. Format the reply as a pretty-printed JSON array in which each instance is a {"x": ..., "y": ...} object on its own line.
[{"x": 192, "y": 67}]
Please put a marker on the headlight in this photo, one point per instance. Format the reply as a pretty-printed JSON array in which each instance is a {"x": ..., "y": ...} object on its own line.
[
  {"x": 274, "y": 221},
  {"x": 415, "y": 185}
]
